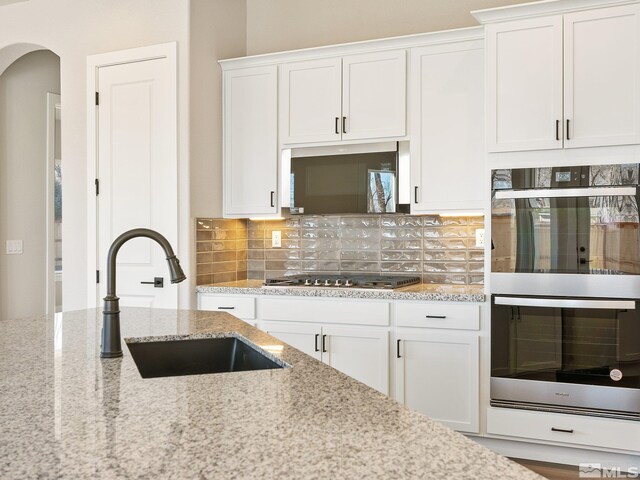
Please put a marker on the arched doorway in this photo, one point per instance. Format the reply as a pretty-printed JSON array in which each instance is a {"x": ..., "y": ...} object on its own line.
[{"x": 29, "y": 141}]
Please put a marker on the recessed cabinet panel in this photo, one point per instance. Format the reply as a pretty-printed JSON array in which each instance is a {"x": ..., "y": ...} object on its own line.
[
  {"x": 305, "y": 338},
  {"x": 250, "y": 141},
  {"x": 437, "y": 374},
  {"x": 310, "y": 99},
  {"x": 360, "y": 353},
  {"x": 374, "y": 95},
  {"x": 447, "y": 122},
  {"x": 602, "y": 77},
  {"x": 524, "y": 97}
]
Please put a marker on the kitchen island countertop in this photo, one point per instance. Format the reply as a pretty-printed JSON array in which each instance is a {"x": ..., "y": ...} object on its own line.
[
  {"x": 420, "y": 291},
  {"x": 66, "y": 413}
]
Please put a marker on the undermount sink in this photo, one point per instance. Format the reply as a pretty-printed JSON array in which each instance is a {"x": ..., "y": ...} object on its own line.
[{"x": 196, "y": 356}]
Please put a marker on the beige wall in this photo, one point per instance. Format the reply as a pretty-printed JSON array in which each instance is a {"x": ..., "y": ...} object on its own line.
[
  {"x": 276, "y": 25},
  {"x": 23, "y": 143}
]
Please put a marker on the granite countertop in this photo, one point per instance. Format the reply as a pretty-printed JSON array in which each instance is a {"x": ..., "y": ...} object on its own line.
[
  {"x": 66, "y": 413},
  {"x": 421, "y": 291}
]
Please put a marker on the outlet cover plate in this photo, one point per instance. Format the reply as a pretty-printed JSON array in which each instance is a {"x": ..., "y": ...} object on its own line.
[
  {"x": 479, "y": 237},
  {"x": 276, "y": 239},
  {"x": 14, "y": 247}
]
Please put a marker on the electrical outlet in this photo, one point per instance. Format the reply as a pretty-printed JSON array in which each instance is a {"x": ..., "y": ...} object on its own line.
[
  {"x": 14, "y": 247},
  {"x": 276, "y": 239},
  {"x": 479, "y": 237}
]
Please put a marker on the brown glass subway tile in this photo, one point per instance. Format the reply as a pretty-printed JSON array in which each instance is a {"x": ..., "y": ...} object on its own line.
[
  {"x": 319, "y": 254},
  {"x": 400, "y": 221},
  {"x": 255, "y": 274},
  {"x": 361, "y": 255},
  {"x": 224, "y": 234},
  {"x": 256, "y": 244},
  {"x": 241, "y": 275},
  {"x": 320, "y": 265},
  {"x": 204, "y": 257},
  {"x": 373, "y": 233},
  {"x": 255, "y": 234},
  {"x": 401, "y": 233},
  {"x": 241, "y": 265},
  {"x": 202, "y": 235},
  {"x": 224, "y": 277},
  {"x": 413, "y": 267},
  {"x": 205, "y": 268},
  {"x": 355, "y": 266},
  {"x": 203, "y": 224},
  {"x": 372, "y": 221},
  {"x": 255, "y": 254},
  {"x": 255, "y": 265},
  {"x": 402, "y": 255},
  {"x": 282, "y": 265},
  {"x": 242, "y": 244},
  {"x": 204, "y": 279},
  {"x": 224, "y": 256},
  {"x": 220, "y": 267},
  {"x": 241, "y": 254},
  {"x": 204, "y": 246}
]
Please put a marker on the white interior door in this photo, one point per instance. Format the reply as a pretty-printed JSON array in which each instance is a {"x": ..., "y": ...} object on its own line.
[{"x": 137, "y": 171}]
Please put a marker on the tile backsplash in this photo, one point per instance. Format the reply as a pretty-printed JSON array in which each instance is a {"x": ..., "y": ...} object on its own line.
[{"x": 439, "y": 249}]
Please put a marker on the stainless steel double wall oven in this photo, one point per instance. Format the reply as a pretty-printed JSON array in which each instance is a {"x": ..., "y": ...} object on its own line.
[{"x": 565, "y": 284}]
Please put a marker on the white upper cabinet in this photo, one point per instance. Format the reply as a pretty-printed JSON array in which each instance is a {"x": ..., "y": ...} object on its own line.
[
  {"x": 602, "y": 77},
  {"x": 447, "y": 134},
  {"x": 250, "y": 141},
  {"x": 346, "y": 98},
  {"x": 310, "y": 101},
  {"x": 524, "y": 94},
  {"x": 374, "y": 95},
  {"x": 592, "y": 55}
]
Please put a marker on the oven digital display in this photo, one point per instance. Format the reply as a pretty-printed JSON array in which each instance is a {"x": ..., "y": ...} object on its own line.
[{"x": 563, "y": 176}]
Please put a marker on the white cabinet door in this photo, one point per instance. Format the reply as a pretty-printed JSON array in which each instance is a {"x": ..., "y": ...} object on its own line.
[
  {"x": 250, "y": 141},
  {"x": 374, "y": 95},
  {"x": 310, "y": 101},
  {"x": 437, "y": 373},
  {"x": 602, "y": 77},
  {"x": 304, "y": 337},
  {"x": 447, "y": 117},
  {"x": 361, "y": 353},
  {"x": 524, "y": 85}
]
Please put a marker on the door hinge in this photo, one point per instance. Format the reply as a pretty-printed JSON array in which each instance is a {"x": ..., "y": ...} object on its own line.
[
  {"x": 97, "y": 276},
  {"x": 97, "y": 182},
  {"x": 97, "y": 98}
]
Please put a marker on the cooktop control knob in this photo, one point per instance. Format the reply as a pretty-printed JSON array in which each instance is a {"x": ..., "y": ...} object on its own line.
[
  {"x": 338, "y": 283},
  {"x": 307, "y": 282},
  {"x": 317, "y": 283},
  {"x": 327, "y": 283},
  {"x": 348, "y": 283}
]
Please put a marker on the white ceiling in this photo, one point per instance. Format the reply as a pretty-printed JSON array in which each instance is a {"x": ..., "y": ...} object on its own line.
[{"x": 7, "y": 2}]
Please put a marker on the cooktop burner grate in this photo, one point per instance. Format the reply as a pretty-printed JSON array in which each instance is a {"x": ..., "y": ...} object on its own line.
[{"x": 386, "y": 282}]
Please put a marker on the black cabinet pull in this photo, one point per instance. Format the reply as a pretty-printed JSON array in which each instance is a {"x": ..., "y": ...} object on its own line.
[
  {"x": 158, "y": 282},
  {"x": 315, "y": 343},
  {"x": 557, "y": 129},
  {"x": 337, "y": 126},
  {"x": 324, "y": 344},
  {"x": 344, "y": 124},
  {"x": 554, "y": 429},
  {"x": 568, "y": 130},
  {"x": 398, "y": 349},
  {"x": 436, "y": 316},
  {"x": 226, "y": 308},
  {"x": 415, "y": 194},
  {"x": 273, "y": 199}
]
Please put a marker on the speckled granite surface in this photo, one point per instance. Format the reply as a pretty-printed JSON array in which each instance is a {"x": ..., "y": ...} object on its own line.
[
  {"x": 65, "y": 413},
  {"x": 423, "y": 291}
]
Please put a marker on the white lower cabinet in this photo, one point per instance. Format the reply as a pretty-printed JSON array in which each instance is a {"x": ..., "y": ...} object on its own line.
[
  {"x": 360, "y": 352},
  {"x": 437, "y": 373}
]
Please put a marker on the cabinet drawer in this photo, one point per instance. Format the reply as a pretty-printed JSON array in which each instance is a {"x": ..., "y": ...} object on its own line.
[
  {"x": 587, "y": 431},
  {"x": 437, "y": 315},
  {"x": 329, "y": 310},
  {"x": 242, "y": 307}
]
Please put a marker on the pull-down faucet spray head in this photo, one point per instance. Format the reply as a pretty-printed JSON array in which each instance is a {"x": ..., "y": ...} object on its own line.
[{"x": 111, "y": 345}]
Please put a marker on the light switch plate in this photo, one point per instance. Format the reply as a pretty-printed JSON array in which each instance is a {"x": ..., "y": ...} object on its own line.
[
  {"x": 479, "y": 237},
  {"x": 276, "y": 239},
  {"x": 14, "y": 247}
]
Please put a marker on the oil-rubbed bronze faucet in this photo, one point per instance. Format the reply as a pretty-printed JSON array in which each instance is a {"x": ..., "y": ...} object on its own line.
[{"x": 111, "y": 346}]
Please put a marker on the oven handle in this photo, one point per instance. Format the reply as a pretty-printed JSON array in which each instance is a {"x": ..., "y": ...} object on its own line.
[
  {"x": 567, "y": 192},
  {"x": 566, "y": 303}
]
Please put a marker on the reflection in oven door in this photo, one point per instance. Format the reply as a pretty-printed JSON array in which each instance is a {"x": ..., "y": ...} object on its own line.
[{"x": 581, "y": 354}]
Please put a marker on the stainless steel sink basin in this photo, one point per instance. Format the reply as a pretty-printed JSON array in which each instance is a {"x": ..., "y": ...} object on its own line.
[{"x": 196, "y": 356}]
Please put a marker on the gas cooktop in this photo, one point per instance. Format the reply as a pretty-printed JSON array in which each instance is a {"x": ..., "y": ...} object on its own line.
[{"x": 380, "y": 282}]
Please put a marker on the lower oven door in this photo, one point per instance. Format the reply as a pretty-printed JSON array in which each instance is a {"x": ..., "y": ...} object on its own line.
[{"x": 570, "y": 355}]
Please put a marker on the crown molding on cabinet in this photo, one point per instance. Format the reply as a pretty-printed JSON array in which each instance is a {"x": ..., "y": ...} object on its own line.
[
  {"x": 538, "y": 9},
  {"x": 392, "y": 43}
]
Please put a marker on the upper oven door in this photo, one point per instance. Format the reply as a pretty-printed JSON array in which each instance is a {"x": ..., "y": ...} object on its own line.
[{"x": 575, "y": 230}]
